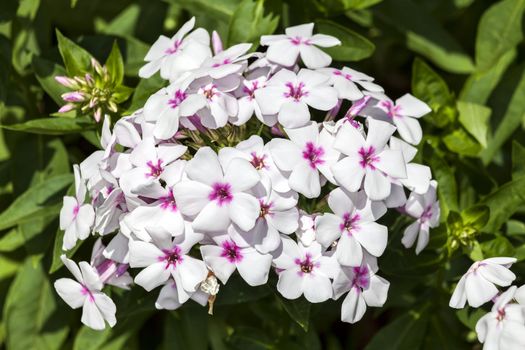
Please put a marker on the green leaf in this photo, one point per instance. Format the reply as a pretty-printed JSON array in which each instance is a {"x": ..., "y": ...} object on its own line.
[
  {"x": 510, "y": 122},
  {"x": 469, "y": 317},
  {"x": 76, "y": 59},
  {"x": 476, "y": 217},
  {"x": 5, "y": 62},
  {"x": 186, "y": 329},
  {"x": 405, "y": 332},
  {"x": 518, "y": 160},
  {"x": 115, "y": 65},
  {"x": 475, "y": 119},
  {"x": 447, "y": 189},
  {"x": 249, "y": 23},
  {"x": 8, "y": 267},
  {"x": 31, "y": 311},
  {"x": 499, "y": 31},
  {"x": 458, "y": 141},
  {"x": 354, "y": 47},
  {"x": 480, "y": 84},
  {"x": 122, "y": 25},
  {"x": 45, "y": 72},
  {"x": 34, "y": 201},
  {"x": 298, "y": 309},
  {"x": 53, "y": 126},
  {"x": 429, "y": 87},
  {"x": 11, "y": 241},
  {"x": 499, "y": 246},
  {"x": 144, "y": 89},
  {"x": 503, "y": 203},
  {"x": 425, "y": 35}
]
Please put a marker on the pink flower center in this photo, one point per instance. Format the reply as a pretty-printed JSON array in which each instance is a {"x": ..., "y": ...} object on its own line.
[
  {"x": 501, "y": 314},
  {"x": 221, "y": 193},
  {"x": 350, "y": 223},
  {"x": 172, "y": 257},
  {"x": 361, "y": 278},
  {"x": 427, "y": 214},
  {"x": 168, "y": 202},
  {"x": 174, "y": 48},
  {"x": 250, "y": 90},
  {"x": 297, "y": 40},
  {"x": 76, "y": 208},
  {"x": 177, "y": 99},
  {"x": 231, "y": 251},
  {"x": 265, "y": 208},
  {"x": 314, "y": 155},
  {"x": 224, "y": 62},
  {"x": 306, "y": 265},
  {"x": 258, "y": 162},
  {"x": 295, "y": 92},
  {"x": 391, "y": 110},
  {"x": 85, "y": 291},
  {"x": 368, "y": 157},
  {"x": 209, "y": 91},
  {"x": 155, "y": 170},
  {"x": 342, "y": 74}
]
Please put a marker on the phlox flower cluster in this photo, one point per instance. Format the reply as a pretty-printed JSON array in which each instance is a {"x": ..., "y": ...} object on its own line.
[
  {"x": 503, "y": 327},
  {"x": 266, "y": 164}
]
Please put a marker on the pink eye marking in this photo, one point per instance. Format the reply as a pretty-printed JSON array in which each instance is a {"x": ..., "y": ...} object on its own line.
[
  {"x": 258, "y": 162},
  {"x": 231, "y": 251},
  {"x": 297, "y": 40},
  {"x": 306, "y": 265},
  {"x": 341, "y": 74},
  {"x": 177, "y": 99},
  {"x": 361, "y": 278},
  {"x": 350, "y": 223},
  {"x": 174, "y": 48},
  {"x": 172, "y": 257},
  {"x": 265, "y": 208},
  {"x": 295, "y": 92},
  {"x": 250, "y": 91},
  {"x": 218, "y": 64},
  {"x": 155, "y": 169},
  {"x": 391, "y": 110},
  {"x": 168, "y": 202},
  {"x": 85, "y": 291},
  {"x": 313, "y": 154},
  {"x": 221, "y": 193},
  {"x": 368, "y": 157}
]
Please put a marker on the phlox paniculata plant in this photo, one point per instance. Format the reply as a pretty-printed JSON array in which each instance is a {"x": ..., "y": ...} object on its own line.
[{"x": 257, "y": 163}]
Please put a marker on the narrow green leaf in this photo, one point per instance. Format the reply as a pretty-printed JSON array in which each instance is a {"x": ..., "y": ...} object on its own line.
[
  {"x": 248, "y": 23},
  {"x": 115, "y": 65},
  {"x": 499, "y": 31},
  {"x": 480, "y": 84},
  {"x": 460, "y": 142},
  {"x": 425, "y": 35},
  {"x": 35, "y": 199},
  {"x": 476, "y": 216},
  {"x": 122, "y": 25},
  {"x": 503, "y": 203},
  {"x": 518, "y": 160},
  {"x": 475, "y": 119},
  {"x": 76, "y": 59},
  {"x": 8, "y": 267},
  {"x": 11, "y": 241},
  {"x": 30, "y": 310},
  {"x": 499, "y": 246},
  {"x": 354, "y": 47},
  {"x": 53, "y": 126},
  {"x": 298, "y": 309},
  {"x": 510, "y": 122},
  {"x": 469, "y": 317}
]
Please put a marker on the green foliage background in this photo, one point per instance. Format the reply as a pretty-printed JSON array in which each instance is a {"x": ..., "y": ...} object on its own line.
[{"x": 465, "y": 58}]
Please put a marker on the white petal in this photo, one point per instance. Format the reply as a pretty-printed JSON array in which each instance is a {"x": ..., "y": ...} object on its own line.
[
  {"x": 409, "y": 129},
  {"x": 191, "y": 196},
  {"x": 377, "y": 186},
  {"x": 213, "y": 217},
  {"x": 377, "y": 292},
  {"x": 305, "y": 180},
  {"x": 327, "y": 229},
  {"x": 142, "y": 254},
  {"x": 410, "y": 234},
  {"x": 283, "y": 52},
  {"x": 349, "y": 251},
  {"x": 353, "y": 307},
  {"x": 373, "y": 237},
  {"x": 314, "y": 57},
  {"x": 284, "y": 153},
  {"x": 497, "y": 274},
  {"x": 241, "y": 175},
  {"x": 392, "y": 163},
  {"x": 254, "y": 267},
  {"x": 153, "y": 276},
  {"x": 205, "y": 167},
  {"x": 459, "y": 297},
  {"x": 316, "y": 287},
  {"x": 349, "y": 173},
  {"x": 324, "y": 40},
  {"x": 293, "y": 114},
  {"x": 168, "y": 297},
  {"x": 379, "y": 133},
  {"x": 221, "y": 267},
  {"x": 479, "y": 290},
  {"x": 91, "y": 315},
  {"x": 412, "y": 106},
  {"x": 290, "y": 284},
  {"x": 90, "y": 276},
  {"x": 71, "y": 292},
  {"x": 244, "y": 209},
  {"x": 270, "y": 99},
  {"x": 106, "y": 306},
  {"x": 192, "y": 272},
  {"x": 286, "y": 221}
]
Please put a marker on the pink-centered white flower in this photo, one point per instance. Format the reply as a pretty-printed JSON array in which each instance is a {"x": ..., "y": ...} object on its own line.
[
  {"x": 364, "y": 288},
  {"x": 215, "y": 194},
  {"x": 352, "y": 227},
  {"x": 425, "y": 209},
  {"x": 85, "y": 292},
  {"x": 76, "y": 218},
  {"x": 178, "y": 54},
  {"x": 478, "y": 285},
  {"x": 305, "y": 270},
  {"x": 418, "y": 175},
  {"x": 284, "y": 49},
  {"x": 227, "y": 62},
  {"x": 288, "y": 95},
  {"x": 345, "y": 81},
  {"x": 404, "y": 114},
  {"x": 231, "y": 253},
  {"x": 258, "y": 154},
  {"x": 278, "y": 214},
  {"x": 503, "y": 328},
  {"x": 163, "y": 211},
  {"x": 368, "y": 159},
  {"x": 169, "y": 105},
  {"x": 248, "y": 105},
  {"x": 307, "y": 153},
  {"x": 166, "y": 257}
]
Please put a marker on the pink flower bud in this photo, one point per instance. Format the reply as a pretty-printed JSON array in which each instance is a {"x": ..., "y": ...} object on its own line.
[
  {"x": 216, "y": 42},
  {"x": 66, "y": 108},
  {"x": 73, "y": 96},
  {"x": 67, "y": 82}
]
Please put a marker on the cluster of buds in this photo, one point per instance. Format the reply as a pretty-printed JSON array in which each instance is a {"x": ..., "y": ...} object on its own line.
[
  {"x": 93, "y": 94},
  {"x": 244, "y": 164}
]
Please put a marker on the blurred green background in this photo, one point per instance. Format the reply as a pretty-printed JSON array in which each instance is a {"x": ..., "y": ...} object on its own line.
[{"x": 465, "y": 58}]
